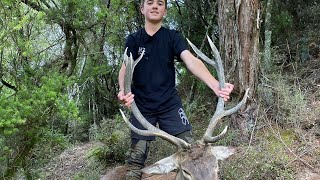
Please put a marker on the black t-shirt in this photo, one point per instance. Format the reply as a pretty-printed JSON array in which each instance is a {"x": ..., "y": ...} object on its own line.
[{"x": 154, "y": 76}]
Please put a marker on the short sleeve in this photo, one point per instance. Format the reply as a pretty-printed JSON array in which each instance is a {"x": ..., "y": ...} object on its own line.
[
  {"x": 179, "y": 45},
  {"x": 130, "y": 44}
]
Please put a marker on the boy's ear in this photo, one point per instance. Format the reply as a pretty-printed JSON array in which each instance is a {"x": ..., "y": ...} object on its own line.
[{"x": 142, "y": 9}]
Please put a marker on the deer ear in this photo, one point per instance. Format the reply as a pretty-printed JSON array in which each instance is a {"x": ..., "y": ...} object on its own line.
[
  {"x": 222, "y": 152},
  {"x": 163, "y": 166}
]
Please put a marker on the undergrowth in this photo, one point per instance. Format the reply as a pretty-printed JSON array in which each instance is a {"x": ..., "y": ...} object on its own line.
[
  {"x": 285, "y": 140},
  {"x": 281, "y": 142},
  {"x": 92, "y": 171},
  {"x": 115, "y": 135}
]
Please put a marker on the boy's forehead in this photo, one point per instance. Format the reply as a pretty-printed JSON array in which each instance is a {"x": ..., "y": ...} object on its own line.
[{"x": 142, "y": 1}]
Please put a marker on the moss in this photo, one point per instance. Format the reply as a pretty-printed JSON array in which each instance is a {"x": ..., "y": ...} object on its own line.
[{"x": 268, "y": 159}]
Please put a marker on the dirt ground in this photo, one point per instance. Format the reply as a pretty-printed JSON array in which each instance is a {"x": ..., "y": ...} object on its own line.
[{"x": 70, "y": 162}]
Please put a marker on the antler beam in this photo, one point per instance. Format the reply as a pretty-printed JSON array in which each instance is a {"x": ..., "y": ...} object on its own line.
[
  {"x": 220, "y": 109},
  {"x": 151, "y": 130}
]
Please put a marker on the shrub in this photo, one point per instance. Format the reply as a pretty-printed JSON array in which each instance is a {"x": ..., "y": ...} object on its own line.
[
  {"x": 115, "y": 134},
  {"x": 267, "y": 160}
]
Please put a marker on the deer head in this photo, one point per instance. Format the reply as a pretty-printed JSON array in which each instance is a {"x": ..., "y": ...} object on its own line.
[{"x": 197, "y": 161}]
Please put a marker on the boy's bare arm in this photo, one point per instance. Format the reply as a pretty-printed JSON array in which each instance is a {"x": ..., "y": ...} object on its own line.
[
  {"x": 125, "y": 99},
  {"x": 197, "y": 67}
]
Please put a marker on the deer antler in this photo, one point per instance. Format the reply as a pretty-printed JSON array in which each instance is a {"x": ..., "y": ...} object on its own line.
[
  {"x": 151, "y": 130},
  {"x": 220, "y": 109}
]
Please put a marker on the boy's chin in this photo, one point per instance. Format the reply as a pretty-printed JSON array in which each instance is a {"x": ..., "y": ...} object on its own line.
[{"x": 155, "y": 20}]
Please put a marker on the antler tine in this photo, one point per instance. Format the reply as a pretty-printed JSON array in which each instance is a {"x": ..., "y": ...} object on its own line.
[
  {"x": 220, "y": 73},
  {"x": 218, "y": 115},
  {"x": 138, "y": 60},
  {"x": 238, "y": 106},
  {"x": 220, "y": 111},
  {"x": 151, "y": 130},
  {"x": 220, "y": 69},
  {"x": 155, "y": 132},
  {"x": 201, "y": 55}
]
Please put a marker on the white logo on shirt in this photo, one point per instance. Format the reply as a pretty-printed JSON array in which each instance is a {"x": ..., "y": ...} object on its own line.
[{"x": 141, "y": 49}]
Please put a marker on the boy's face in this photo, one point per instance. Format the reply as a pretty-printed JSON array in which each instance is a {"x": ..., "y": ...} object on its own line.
[{"x": 154, "y": 10}]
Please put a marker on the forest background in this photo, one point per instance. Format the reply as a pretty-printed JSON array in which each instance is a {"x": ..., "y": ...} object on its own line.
[{"x": 59, "y": 63}]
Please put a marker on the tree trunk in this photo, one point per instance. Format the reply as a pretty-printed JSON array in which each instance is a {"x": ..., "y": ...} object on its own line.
[
  {"x": 266, "y": 65},
  {"x": 239, "y": 23}
]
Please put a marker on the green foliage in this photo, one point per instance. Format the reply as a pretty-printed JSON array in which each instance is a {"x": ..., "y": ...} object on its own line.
[
  {"x": 282, "y": 23},
  {"x": 115, "y": 135},
  {"x": 287, "y": 100},
  {"x": 26, "y": 116},
  {"x": 32, "y": 47},
  {"x": 291, "y": 103},
  {"x": 49, "y": 146},
  {"x": 92, "y": 171}
]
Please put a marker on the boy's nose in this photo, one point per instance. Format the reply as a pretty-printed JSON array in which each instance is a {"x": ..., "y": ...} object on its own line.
[{"x": 154, "y": 6}]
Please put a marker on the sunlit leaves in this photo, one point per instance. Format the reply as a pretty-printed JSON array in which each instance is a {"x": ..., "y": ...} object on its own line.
[
  {"x": 35, "y": 104},
  {"x": 33, "y": 41},
  {"x": 32, "y": 108}
]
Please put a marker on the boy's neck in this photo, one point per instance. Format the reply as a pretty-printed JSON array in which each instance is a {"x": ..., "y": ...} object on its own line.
[{"x": 152, "y": 28}]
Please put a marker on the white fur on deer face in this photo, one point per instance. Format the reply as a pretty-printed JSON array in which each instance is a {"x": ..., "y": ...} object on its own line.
[{"x": 200, "y": 162}]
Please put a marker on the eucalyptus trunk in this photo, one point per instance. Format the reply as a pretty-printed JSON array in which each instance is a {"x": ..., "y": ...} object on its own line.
[
  {"x": 267, "y": 38},
  {"x": 239, "y": 23}
]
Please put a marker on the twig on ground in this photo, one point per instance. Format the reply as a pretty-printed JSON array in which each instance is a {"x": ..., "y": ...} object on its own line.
[
  {"x": 280, "y": 139},
  {"x": 253, "y": 128},
  {"x": 309, "y": 150}
]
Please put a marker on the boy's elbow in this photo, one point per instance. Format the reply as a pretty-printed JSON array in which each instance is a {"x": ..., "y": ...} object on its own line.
[{"x": 194, "y": 64}]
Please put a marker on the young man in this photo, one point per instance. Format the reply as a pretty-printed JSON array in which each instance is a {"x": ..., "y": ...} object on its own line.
[{"x": 153, "y": 87}]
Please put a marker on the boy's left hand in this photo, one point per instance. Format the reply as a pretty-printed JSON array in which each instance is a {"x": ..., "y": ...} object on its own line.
[{"x": 226, "y": 91}]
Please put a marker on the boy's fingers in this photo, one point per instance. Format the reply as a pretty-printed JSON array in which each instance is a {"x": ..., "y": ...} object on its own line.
[
  {"x": 127, "y": 95},
  {"x": 225, "y": 96},
  {"x": 228, "y": 85},
  {"x": 128, "y": 103},
  {"x": 224, "y": 93},
  {"x": 228, "y": 90},
  {"x": 130, "y": 98}
]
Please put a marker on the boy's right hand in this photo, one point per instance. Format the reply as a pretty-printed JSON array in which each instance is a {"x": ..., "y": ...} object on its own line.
[{"x": 127, "y": 99}]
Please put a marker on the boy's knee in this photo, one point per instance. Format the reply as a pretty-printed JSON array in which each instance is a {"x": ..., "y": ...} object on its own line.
[
  {"x": 186, "y": 136},
  {"x": 139, "y": 152},
  {"x": 137, "y": 158}
]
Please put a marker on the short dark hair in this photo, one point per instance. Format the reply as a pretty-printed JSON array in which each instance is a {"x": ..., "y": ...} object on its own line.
[{"x": 165, "y": 1}]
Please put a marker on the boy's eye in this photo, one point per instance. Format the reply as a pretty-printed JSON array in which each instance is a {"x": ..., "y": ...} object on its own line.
[{"x": 160, "y": 3}]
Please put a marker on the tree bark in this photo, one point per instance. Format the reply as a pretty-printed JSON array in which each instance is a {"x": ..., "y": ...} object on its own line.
[
  {"x": 239, "y": 22},
  {"x": 266, "y": 65}
]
